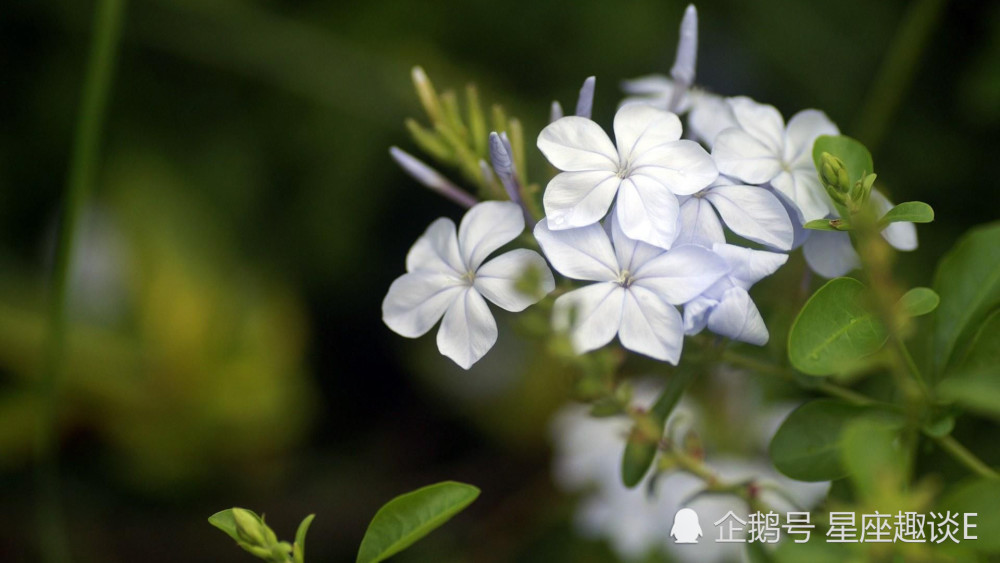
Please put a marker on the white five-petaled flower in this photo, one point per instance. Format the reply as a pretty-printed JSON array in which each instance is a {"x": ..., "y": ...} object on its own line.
[
  {"x": 726, "y": 308},
  {"x": 446, "y": 277},
  {"x": 761, "y": 149},
  {"x": 650, "y": 167},
  {"x": 638, "y": 286},
  {"x": 830, "y": 253},
  {"x": 752, "y": 212}
]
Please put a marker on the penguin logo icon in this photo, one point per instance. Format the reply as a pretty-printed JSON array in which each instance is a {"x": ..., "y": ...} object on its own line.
[{"x": 686, "y": 528}]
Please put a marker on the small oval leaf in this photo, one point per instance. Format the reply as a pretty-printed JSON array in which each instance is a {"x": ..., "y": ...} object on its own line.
[
  {"x": 910, "y": 212},
  {"x": 834, "y": 330},
  {"x": 411, "y": 516},
  {"x": 918, "y": 301},
  {"x": 225, "y": 521},
  {"x": 808, "y": 444}
]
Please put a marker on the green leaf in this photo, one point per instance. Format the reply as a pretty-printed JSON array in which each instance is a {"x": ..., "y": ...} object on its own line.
[
  {"x": 834, "y": 330},
  {"x": 828, "y": 225},
  {"x": 976, "y": 391},
  {"x": 225, "y": 521},
  {"x": 640, "y": 450},
  {"x": 918, "y": 301},
  {"x": 299, "y": 547},
  {"x": 814, "y": 551},
  {"x": 411, "y": 516},
  {"x": 968, "y": 281},
  {"x": 909, "y": 211},
  {"x": 874, "y": 458},
  {"x": 807, "y": 446},
  {"x": 981, "y": 497},
  {"x": 856, "y": 157}
]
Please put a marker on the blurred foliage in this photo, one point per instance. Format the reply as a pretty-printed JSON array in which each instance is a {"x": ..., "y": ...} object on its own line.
[{"x": 248, "y": 222}]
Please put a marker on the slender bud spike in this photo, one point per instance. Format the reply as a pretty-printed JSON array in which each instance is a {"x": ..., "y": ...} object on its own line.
[
  {"x": 556, "y": 112},
  {"x": 683, "y": 71},
  {"x": 431, "y": 178},
  {"x": 585, "y": 102}
]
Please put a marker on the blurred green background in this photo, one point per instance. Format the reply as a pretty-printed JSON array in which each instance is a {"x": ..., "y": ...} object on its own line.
[{"x": 227, "y": 346}]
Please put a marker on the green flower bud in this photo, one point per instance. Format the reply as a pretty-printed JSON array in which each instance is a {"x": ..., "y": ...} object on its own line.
[
  {"x": 833, "y": 175},
  {"x": 249, "y": 528}
]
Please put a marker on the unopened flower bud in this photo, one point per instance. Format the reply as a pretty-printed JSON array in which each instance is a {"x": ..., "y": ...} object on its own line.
[
  {"x": 249, "y": 528},
  {"x": 833, "y": 174}
]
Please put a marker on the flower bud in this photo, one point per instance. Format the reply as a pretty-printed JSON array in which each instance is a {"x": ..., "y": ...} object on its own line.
[
  {"x": 249, "y": 528},
  {"x": 860, "y": 192},
  {"x": 833, "y": 174}
]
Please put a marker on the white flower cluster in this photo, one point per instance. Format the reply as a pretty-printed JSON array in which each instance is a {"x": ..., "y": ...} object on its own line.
[{"x": 641, "y": 217}]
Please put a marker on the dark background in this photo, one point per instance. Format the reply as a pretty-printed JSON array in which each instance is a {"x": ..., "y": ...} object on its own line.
[{"x": 245, "y": 164}]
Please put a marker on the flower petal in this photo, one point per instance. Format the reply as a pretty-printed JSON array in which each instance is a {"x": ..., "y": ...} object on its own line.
[
  {"x": 710, "y": 115},
  {"x": 901, "y": 235},
  {"x": 803, "y": 128},
  {"x": 682, "y": 274},
  {"x": 762, "y": 121},
  {"x": 468, "y": 330},
  {"x": 436, "y": 250},
  {"x": 576, "y": 144},
  {"x": 682, "y": 166},
  {"x": 801, "y": 186},
  {"x": 595, "y": 312},
  {"x": 485, "y": 228},
  {"x": 737, "y": 317},
  {"x": 584, "y": 253},
  {"x": 641, "y": 127},
  {"x": 699, "y": 223},
  {"x": 749, "y": 266},
  {"x": 696, "y": 314},
  {"x": 739, "y": 154},
  {"x": 647, "y": 211},
  {"x": 650, "y": 326},
  {"x": 578, "y": 199},
  {"x": 497, "y": 279},
  {"x": 416, "y": 301},
  {"x": 830, "y": 254},
  {"x": 753, "y": 213},
  {"x": 629, "y": 252}
]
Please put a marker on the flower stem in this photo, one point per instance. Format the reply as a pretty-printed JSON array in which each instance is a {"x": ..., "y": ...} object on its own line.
[
  {"x": 79, "y": 183},
  {"x": 965, "y": 457},
  {"x": 826, "y": 387}
]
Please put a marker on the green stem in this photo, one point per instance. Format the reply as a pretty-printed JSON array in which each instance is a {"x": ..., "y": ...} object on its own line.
[
  {"x": 896, "y": 71},
  {"x": 826, "y": 387},
  {"x": 966, "y": 458},
  {"x": 79, "y": 184}
]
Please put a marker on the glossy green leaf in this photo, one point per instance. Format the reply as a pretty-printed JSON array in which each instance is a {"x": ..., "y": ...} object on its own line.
[
  {"x": 834, "y": 330},
  {"x": 411, "y": 516},
  {"x": 909, "y": 211},
  {"x": 854, "y": 154},
  {"x": 299, "y": 547},
  {"x": 918, "y": 301},
  {"x": 981, "y": 497},
  {"x": 807, "y": 446},
  {"x": 968, "y": 281},
  {"x": 640, "y": 451}
]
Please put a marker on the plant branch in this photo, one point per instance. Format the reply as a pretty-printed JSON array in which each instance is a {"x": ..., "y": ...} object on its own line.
[{"x": 79, "y": 184}]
